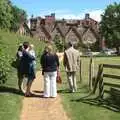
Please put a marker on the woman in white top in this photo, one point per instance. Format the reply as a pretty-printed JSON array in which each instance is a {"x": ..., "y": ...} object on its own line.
[{"x": 32, "y": 52}]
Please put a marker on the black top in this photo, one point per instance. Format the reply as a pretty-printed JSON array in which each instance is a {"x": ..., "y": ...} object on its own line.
[{"x": 49, "y": 62}]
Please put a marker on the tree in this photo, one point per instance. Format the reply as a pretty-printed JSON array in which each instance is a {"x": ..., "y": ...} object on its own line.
[
  {"x": 4, "y": 64},
  {"x": 11, "y": 16},
  {"x": 19, "y": 16},
  {"x": 59, "y": 43},
  {"x": 5, "y": 14},
  {"x": 110, "y": 25}
]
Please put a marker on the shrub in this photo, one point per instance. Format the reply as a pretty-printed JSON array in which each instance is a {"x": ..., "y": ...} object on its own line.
[
  {"x": 59, "y": 43},
  {"x": 4, "y": 68}
]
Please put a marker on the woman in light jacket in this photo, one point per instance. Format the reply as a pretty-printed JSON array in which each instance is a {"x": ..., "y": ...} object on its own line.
[{"x": 50, "y": 64}]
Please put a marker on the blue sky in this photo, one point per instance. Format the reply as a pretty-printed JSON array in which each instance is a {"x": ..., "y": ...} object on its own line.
[{"x": 68, "y": 9}]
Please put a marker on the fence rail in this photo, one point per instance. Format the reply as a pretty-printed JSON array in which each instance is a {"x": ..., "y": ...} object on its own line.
[
  {"x": 101, "y": 75},
  {"x": 111, "y": 76},
  {"x": 111, "y": 66},
  {"x": 112, "y": 84}
]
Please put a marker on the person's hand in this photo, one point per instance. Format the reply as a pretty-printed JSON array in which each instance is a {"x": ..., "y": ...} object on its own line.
[
  {"x": 42, "y": 72},
  {"x": 27, "y": 49}
]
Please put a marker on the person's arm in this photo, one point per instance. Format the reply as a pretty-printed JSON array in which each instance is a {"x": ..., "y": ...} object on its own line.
[
  {"x": 57, "y": 59},
  {"x": 78, "y": 59},
  {"x": 19, "y": 54},
  {"x": 27, "y": 54},
  {"x": 33, "y": 54},
  {"x": 42, "y": 60}
]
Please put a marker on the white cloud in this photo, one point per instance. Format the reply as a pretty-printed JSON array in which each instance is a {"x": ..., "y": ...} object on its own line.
[
  {"x": 95, "y": 14},
  {"x": 67, "y": 14}
]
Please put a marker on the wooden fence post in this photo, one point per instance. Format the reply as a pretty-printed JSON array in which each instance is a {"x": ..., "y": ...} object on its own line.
[
  {"x": 90, "y": 73},
  {"x": 80, "y": 71},
  {"x": 93, "y": 70},
  {"x": 101, "y": 84},
  {"x": 101, "y": 75},
  {"x": 100, "y": 71}
]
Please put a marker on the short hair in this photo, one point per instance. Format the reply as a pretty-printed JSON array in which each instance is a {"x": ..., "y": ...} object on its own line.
[
  {"x": 70, "y": 43},
  {"x": 25, "y": 45}
]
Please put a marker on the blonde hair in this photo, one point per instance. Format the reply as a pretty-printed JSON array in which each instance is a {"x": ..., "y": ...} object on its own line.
[
  {"x": 31, "y": 46},
  {"x": 49, "y": 49}
]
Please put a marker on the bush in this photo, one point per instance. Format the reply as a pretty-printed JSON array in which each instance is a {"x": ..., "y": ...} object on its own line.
[
  {"x": 4, "y": 68},
  {"x": 59, "y": 43}
]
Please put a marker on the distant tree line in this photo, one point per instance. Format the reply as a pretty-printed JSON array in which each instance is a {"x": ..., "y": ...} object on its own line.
[
  {"x": 10, "y": 18},
  {"x": 10, "y": 15},
  {"x": 110, "y": 26}
]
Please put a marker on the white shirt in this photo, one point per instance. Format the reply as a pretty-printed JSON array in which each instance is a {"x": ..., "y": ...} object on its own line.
[{"x": 32, "y": 52}]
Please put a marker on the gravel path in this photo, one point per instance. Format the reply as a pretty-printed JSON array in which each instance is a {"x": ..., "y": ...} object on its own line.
[{"x": 39, "y": 108}]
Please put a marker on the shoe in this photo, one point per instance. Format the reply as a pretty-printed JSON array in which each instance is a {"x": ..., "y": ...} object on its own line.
[
  {"x": 46, "y": 96},
  {"x": 73, "y": 91},
  {"x": 53, "y": 96},
  {"x": 28, "y": 94}
]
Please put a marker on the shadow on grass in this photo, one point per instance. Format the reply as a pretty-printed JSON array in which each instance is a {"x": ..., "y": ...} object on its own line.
[
  {"x": 63, "y": 91},
  {"x": 6, "y": 89},
  {"x": 36, "y": 91},
  {"x": 108, "y": 102},
  {"x": 67, "y": 91},
  {"x": 80, "y": 89},
  {"x": 36, "y": 96}
]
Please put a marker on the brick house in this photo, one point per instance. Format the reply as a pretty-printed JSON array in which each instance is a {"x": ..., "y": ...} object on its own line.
[{"x": 85, "y": 31}]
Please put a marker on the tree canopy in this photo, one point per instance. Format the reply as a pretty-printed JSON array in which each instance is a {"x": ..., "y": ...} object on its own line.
[
  {"x": 110, "y": 25},
  {"x": 19, "y": 16},
  {"x": 10, "y": 15}
]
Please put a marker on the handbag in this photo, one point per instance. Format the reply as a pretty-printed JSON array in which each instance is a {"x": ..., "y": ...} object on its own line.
[
  {"x": 58, "y": 78},
  {"x": 15, "y": 63}
]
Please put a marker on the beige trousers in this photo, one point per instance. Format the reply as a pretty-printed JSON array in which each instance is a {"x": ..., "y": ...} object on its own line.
[{"x": 71, "y": 76}]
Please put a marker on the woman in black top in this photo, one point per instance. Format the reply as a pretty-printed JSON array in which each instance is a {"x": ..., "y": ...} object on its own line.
[{"x": 50, "y": 64}]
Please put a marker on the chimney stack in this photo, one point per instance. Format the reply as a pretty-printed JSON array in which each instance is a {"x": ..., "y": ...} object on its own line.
[
  {"x": 87, "y": 16},
  {"x": 53, "y": 14}
]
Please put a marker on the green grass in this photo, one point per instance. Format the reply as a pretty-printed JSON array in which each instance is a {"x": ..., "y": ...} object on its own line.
[
  {"x": 77, "y": 109},
  {"x": 80, "y": 106},
  {"x": 10, "y": 98}
]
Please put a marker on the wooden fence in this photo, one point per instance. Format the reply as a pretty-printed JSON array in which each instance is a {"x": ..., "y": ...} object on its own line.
[
  {"x": 80, "y": 71},
  {"x": 100, "y": 75},
  {"x": 91, "y": 73}
]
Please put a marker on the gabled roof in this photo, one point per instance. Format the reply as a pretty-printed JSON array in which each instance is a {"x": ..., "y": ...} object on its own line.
[
  {"x": 59, "y": 30},
  {"x": 94, "y": 31},
  {"x": 46, "y": 32},
  {"x": 63, "y": 28},
  {"x": 76, "y": 32},
  {"x": 27, "y": 28}
]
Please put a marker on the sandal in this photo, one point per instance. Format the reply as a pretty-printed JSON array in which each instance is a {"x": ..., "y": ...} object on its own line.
[{"x": 28, "y": 94}]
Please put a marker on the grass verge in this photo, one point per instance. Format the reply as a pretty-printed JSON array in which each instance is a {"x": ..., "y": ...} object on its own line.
[
  {"x": 10, "y": 98},
  {"x": 81, "y": 105}
]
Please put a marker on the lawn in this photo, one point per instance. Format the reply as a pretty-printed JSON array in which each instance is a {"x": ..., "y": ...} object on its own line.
[
  {"x": 79, "y": 105},
  {"x": 77, "y": 108}
]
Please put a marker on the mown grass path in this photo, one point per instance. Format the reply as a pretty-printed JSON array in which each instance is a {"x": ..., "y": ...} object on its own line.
[{"x": 39, "y": 108}]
